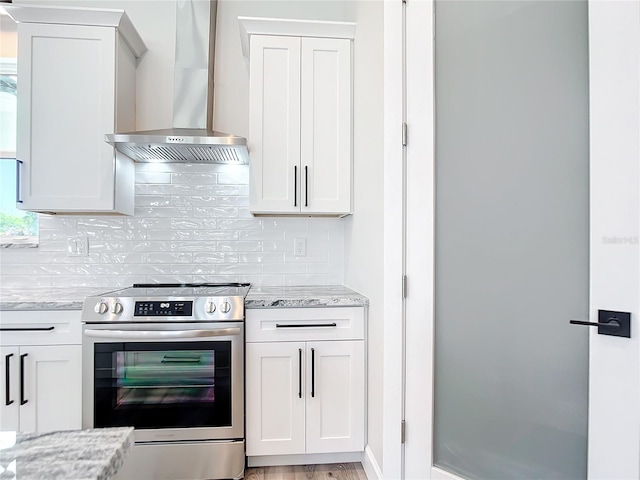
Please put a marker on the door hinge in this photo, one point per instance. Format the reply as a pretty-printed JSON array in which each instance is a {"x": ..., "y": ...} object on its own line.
[
  {"x": 404, "y": 134},
  {"x": 403, "y": 429},
  {"x": 404, "y": 286}
]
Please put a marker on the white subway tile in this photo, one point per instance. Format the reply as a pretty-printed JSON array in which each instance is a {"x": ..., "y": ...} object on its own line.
[
  {"x": 128, "y": 258},
  {"x": 193, "y": 201},
  {"x": 285, "y": 268},
  {"x": 153, "y": 200},
  {"x": 100, "y": 223},
  {"x": 261, "y": 257},
  {"x": 232, "y": 201},
  {"x": 203, "y": 246},
  {"x": 234, "y": 178},
  {"x": 244, "y": 224},
  {"x": 169, "y": 257},
  {"x": 144, "y": 223},
  {"x": 194, "y": 178},
  {"x": 149, "y": 246},
  {"x": 152, "y": 177},
  {"x": 240, "y": 268},
  {"x": 239, "y": 246},
  {"x": 215, "y": 235},
  {"x": 188, "y": 223},
  {"x": 163, "y": 211},
  {"x": 215, "y": 257},
  {"x": 169, "y": 234},
  {"x": 216, "y": 212},
  {"x": 266, "y": 235}
]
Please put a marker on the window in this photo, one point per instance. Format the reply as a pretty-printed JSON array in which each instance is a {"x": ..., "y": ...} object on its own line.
[{"x": 17, "y": 228}]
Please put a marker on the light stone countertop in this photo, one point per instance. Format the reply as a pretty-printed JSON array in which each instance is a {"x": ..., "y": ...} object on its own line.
[
  {"x": 95, "y": 454},
  {"x": 46, "y": 298},
  {"x": 308, "y": 296},
  {"x": 59, "y": 298}
]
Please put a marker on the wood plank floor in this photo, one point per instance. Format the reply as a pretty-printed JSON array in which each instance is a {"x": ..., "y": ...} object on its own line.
[{"x": 332, "y": 471}]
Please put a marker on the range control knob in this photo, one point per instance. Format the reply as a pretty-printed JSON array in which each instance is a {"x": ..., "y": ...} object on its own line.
[
  {"x": 101, "y": 308},
  {"x": 225, "y": 307},
  {"x": 117, "y": 308},
  {"x": 210, "y": 307}
]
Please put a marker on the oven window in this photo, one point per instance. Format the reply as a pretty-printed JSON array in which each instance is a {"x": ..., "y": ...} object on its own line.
[{"x": 163, "y": 384}]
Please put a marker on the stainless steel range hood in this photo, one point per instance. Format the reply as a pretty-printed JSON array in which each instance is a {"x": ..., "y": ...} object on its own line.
[{"x": 191, "y": 139}]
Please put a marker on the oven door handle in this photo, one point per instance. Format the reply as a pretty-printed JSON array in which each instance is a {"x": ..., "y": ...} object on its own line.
[{"x": 161, "y": 334}]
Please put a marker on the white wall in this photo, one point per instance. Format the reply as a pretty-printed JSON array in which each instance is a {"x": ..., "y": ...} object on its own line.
[{"x": 364, "y": 230}]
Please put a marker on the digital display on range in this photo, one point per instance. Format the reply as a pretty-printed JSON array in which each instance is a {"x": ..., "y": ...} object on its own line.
[{"x": 163, "y": 309}]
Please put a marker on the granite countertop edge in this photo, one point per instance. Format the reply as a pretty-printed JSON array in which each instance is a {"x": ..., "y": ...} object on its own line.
[
  {"x": 258, "y": 297},
  {"x": 95, "y": 454}
]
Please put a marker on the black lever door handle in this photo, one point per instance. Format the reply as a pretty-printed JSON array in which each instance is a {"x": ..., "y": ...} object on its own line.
[
  {"x": 616, "y": 324},
  {"x": 611, "y": 323}
]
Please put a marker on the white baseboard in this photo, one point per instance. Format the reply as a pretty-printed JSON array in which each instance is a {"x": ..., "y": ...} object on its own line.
[
  {"x": 304, "y": 459},
  {"x": 370, "y": 465},
  {"x": 438, "y": 474}
]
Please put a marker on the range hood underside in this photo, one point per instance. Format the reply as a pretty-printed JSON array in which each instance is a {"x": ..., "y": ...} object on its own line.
[{"x": 181, "y": 145}]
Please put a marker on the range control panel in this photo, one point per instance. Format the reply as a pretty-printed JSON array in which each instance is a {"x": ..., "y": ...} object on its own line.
[{"x": 163, "y": 309}]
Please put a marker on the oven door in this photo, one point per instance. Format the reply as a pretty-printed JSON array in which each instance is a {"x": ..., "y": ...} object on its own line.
[{"x": 171, "y": 381}]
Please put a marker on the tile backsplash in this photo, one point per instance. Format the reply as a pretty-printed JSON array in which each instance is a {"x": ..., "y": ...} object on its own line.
[{"x": 191, "y": 224}]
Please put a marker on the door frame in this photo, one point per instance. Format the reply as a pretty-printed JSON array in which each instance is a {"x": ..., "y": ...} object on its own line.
[{"x": 615, "y": 266}]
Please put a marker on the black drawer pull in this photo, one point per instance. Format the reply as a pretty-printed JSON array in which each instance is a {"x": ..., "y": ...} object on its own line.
[
  {"x": 28, "y": 329},
  {"x": 299, "y": 373},
  {"x": 306, "y": 325},
  {"x": 313, "y": 372},
  {"x": 7, "y": 377},
  {"x": 22, "y": 399}
]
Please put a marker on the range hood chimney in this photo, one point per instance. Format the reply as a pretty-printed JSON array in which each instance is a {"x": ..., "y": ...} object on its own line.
[{"x": 192, "y": 139}]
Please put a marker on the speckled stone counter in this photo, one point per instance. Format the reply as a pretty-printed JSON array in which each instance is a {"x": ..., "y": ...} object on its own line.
[
  {"x": 95, "y": 454},
  {"x": 46, "y": 298},
  {"x": 312, "y": 296},
  {"x": 52, "y": 298}
]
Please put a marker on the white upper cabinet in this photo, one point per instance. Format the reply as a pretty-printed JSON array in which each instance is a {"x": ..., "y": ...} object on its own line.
[
  {"x": 300, "y": 127},
  {"x": 76, "y": 82}
]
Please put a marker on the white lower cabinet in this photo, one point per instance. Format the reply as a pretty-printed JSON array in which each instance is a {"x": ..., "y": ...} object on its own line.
[
  {"x": 40, "y": 385},
  {"x": 305, "y": 397}
]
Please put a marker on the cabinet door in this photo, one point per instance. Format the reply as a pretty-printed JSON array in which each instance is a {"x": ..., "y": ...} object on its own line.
[
  {"x": 335, "y": 396},
  {"x": 275, "y": 398},
  {"x": 66, "y": 105},
  {"x": 325, "y": 146},
  {"x": 274, "y": 124},
  {"x": 52, "y": 388},
  {"x": 9, "y": 386}
]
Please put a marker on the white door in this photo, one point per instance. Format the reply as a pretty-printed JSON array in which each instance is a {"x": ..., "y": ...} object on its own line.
[
  {"x": 10, "y": 388},
  {"x": 611, "y": 266},
  {"x": 275, "y": 398},
  {"x": 52, "y": 388},
  {"x": 66, "y": 163},
  {"x": 325, "y": 142},
  {"x": 274, "y": 124},
  {"x": 335, "y": 396}
]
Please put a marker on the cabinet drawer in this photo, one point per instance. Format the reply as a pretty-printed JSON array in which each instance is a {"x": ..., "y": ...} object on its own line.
[
  {"x": 34, "y": 327},
  {"x": 304, "y": 324}
]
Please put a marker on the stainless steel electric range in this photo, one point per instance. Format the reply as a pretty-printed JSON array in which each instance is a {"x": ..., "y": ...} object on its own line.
[{"x": 168, "y": 359}]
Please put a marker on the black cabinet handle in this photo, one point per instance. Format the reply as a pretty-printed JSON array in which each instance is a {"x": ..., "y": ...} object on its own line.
[
  {"x": 306, "y": 325},
  {"x": 7, "y": 377},
  {"x": 28, "y": 329},
  {"x": 306, "y": 186},
  {"x": 18, "y": 180},
  {"x": 299, "y": 373},
  {"x": 313, "y": 372},
  {"x": 295, "y": 185},
  {"x": 22, "y": 399}
]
